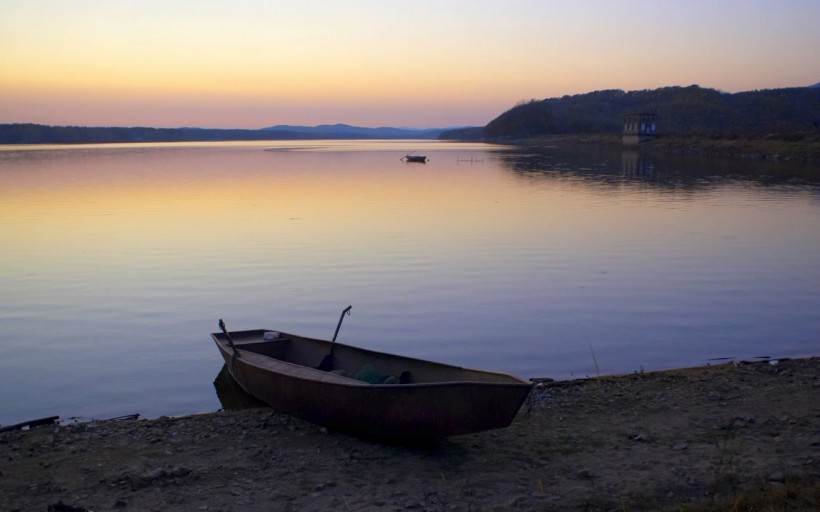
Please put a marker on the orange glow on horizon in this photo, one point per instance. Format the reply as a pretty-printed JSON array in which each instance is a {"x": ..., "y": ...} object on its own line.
[{"x": 160, "y": 64}]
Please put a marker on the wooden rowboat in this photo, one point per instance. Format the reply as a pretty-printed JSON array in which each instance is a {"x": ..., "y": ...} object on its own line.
[
  {"x": 415, "y": 158},
  {"x": 368, "y": 393}
]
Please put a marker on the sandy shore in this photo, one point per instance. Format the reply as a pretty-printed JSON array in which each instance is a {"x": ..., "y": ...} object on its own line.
[{"x": 696, "y": 439}]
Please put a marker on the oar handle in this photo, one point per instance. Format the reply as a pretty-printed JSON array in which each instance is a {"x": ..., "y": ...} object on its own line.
[
  {"x": 342, "y": 317},
  {"x": 228, "y": 337}
]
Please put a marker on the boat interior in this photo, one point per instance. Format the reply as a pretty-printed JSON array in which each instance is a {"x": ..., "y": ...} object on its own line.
[{"x": 356, "y": 363}]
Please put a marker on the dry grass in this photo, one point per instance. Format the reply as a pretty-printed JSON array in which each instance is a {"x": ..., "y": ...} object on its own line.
[{"x": 792, "y": 495}]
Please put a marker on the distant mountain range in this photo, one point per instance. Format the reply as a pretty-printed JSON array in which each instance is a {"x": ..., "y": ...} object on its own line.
[
  {"x": 27, "y": 133},
  {"x": 686, "y": 111}
]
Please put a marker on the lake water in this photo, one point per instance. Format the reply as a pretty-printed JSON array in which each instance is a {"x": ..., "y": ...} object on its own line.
[{"x": 118, "y": 260}]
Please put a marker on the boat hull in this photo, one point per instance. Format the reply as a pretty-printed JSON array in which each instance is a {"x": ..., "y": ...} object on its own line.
[{"x": 422, "y": 409}]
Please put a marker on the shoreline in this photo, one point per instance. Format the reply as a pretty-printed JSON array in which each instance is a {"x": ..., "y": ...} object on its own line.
[
  {"x": 770, "y": 149},
  {"x": 232, "y": 397},
  {"x": 800, "y": 148},
  {"x": 695, "y": 439}
]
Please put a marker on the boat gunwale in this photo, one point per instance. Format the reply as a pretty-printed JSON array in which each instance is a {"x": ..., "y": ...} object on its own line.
[{"x": 341, "y": 380}]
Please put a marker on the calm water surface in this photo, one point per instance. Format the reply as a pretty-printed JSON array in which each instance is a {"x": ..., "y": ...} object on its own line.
[{"x": 118, "y": 260}]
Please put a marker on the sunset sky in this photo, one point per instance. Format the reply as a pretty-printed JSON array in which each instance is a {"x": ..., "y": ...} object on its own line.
[{"x": 419, "y": 63}]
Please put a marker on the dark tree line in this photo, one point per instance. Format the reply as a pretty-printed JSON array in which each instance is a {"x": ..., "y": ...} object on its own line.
[
  {"x": 682, "y": 111},
  {"x": 43, "y": 134}
]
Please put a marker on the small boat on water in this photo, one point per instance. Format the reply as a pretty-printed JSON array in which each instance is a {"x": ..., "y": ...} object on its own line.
[
  {"x": 367, "y": 393},
  {"x": 415, "y": 158}
]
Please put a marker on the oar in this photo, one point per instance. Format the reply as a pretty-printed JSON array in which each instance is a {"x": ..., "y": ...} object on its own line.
[
  {"x": 327, "y": 362},
  {"x": 228, "y": 337}
]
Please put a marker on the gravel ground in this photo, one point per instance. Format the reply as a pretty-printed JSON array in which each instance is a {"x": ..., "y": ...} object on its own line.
[{"x": 677, "y": 440}]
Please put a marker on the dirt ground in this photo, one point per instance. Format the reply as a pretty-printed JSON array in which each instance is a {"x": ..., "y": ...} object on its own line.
[{"x": 693, "y": 439}]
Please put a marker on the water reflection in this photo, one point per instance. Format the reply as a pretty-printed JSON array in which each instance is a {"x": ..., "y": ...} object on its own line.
[
  {"x": 231, "y": 395},
  {"x": 638, "y": 165},
  {"x": 615, "y": 165},
  {"x": 118, "y": 261}
]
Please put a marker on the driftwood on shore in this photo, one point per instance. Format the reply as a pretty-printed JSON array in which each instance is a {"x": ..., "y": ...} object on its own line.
[{"x": 30, "y": 424}]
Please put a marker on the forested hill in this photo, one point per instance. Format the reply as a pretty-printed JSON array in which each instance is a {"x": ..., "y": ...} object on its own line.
[{"x": 692, "y": 110}]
